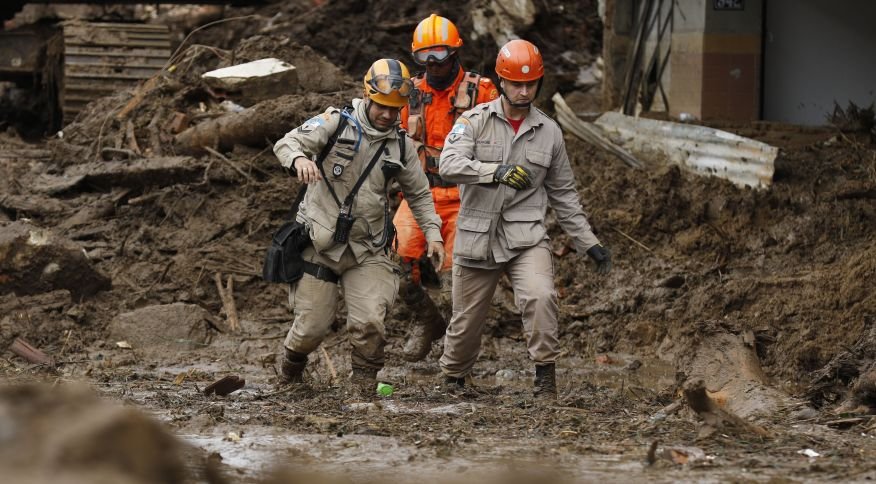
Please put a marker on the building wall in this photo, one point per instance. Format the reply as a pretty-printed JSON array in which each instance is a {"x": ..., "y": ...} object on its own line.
[
  {"x": 716, "y": 58},
  {"x": 817, "y": 52}
]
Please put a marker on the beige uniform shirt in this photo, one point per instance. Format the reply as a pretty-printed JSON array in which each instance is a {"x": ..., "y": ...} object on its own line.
[
  {"x": 497, "y": 222},
  {"x": 343, "y": 166}
]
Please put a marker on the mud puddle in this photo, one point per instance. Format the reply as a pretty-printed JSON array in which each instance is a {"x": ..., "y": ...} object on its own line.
[{"x": 251, "y": 454}]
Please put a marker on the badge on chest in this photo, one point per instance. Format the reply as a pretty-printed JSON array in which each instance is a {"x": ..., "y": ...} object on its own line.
[{"x": 337, "y": 170}]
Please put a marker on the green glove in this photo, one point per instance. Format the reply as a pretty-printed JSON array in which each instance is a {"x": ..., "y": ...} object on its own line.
[{"x": 515, "y": 176}]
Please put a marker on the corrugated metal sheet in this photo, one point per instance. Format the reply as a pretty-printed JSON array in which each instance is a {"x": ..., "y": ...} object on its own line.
[
  {"x": 698, "y": 149},
  {"x": 104, "y": 58}
]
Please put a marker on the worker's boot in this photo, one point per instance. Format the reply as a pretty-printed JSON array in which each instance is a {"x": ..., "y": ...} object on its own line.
[
  {"x": 545, "y": 382},
  {"x": 453, "y": 385},
  {"x": 461, "y": 387},
  {"x": 364, "y": 380},
  {"x": 427, "y": 324},
  {"x": 292, "y": 368}
]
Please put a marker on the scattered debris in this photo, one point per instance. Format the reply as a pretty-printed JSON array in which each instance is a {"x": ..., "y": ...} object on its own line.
[
  {"x": 124, "y": 345},
  {"x": 254, "y": 81},
  {"x": 158, "y": 171},
  {"x": 697, "y": 149},
  {"x": 30, "y": 353},
  {"x": 516, "y": 16},
  {"x": 809, "y": 453},
  {"x": 225, "y": 385},
  {"x": 682, "y": 455},
  {"x": 328, "y": 362},
  {"x": 34, "y": 260},
  {"x": 714, "y": 416},
  {"x": 226, "y": 294},
  {"x": 854, "y": 118},
  {"x": 588, "y": 132}
]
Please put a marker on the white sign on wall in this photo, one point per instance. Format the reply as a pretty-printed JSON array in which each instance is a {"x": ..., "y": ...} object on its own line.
[{"x": 729, "y": 5}]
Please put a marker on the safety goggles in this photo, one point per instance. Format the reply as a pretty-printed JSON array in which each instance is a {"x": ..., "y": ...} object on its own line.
[
  {"x": 385, "y": 84},
  {"x": 437, "y": 54}
]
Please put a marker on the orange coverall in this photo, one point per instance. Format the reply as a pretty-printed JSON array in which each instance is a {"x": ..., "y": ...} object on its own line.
[{"x": 438, "y": 116}]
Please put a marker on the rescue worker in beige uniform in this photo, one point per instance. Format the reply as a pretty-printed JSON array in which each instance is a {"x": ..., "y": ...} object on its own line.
[
  {"x": 511, "y": 163},
  {"x": 350, "y": 234}
]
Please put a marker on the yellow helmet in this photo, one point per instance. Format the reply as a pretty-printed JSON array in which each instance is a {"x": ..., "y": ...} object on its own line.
[{"x": 388, "y": 82}]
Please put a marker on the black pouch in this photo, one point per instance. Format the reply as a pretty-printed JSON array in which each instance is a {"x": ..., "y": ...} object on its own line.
[{"x": 283, "y": 261}]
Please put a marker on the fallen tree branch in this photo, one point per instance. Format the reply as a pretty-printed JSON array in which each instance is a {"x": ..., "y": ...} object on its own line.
[
  {"x": 33, "y": 355},
  {"x": 227, "y": 297},
  {"x": 328, "y": 361},
  {"x": 632, "y": 239},
  {"x": 229, "y": 162},
  {"x": 132, "y": 137}
]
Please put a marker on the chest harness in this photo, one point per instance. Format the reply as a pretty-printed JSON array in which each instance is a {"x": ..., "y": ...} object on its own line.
[{"x": 464, "y": 99}]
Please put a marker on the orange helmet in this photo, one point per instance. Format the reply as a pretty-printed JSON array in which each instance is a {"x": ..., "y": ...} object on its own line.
[
  {"x": 388, "y": 82},
  {"x": 435, "y": 31},
  {"x": 519, "y": 61}
]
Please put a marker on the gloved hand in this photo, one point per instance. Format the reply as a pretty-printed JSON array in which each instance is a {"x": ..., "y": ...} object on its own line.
[
  {"x": 515, "y": 176},
  {"x": 602, "y": 257}
]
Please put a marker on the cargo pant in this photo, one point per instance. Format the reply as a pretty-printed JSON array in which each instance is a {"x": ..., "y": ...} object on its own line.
[
  {"x": 532, "y": 278},
  {"x": 412, "y": 242},
  {"x": 370, "y": 288}
]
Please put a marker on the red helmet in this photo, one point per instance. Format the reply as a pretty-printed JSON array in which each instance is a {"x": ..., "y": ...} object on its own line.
[{"x": 520, "y": 61}]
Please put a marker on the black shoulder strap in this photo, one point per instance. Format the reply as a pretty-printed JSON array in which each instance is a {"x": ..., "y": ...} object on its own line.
[
  {"x": 319, "y": 159},
  {"x": 350, "y": 196}
]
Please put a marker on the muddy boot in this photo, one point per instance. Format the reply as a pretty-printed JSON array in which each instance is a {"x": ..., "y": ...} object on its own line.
[
  {"x": 545, "y": 382},
  {"x": 461, "y": 387},
  {"x": 292, "y": 368},
  {"x": 453, "y": 385},
  {"x": 364, "y": 381},
  {"x": 428, "y": 324}
]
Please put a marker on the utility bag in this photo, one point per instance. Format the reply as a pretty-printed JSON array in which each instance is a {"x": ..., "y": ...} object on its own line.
[{"x": 283, "y": 261}]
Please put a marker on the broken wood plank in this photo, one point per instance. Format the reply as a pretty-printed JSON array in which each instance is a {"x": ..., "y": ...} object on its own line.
[
  {"x": 33, "y": 355},
  {"x": 586, "y": 131},
  {"x": 225, "y": 385}
]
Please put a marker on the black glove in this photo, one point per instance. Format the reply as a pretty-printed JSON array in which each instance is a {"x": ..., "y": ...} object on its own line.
[
  {"x": 602, "y": 257},
  {"x": 515, "y": 176}
]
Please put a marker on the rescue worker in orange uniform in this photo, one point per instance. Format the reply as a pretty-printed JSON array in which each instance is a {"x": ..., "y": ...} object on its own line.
[{"x": 443, "y": 92}]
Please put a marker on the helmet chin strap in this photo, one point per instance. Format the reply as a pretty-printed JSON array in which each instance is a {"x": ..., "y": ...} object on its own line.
[{"x": 525, "y": 105}]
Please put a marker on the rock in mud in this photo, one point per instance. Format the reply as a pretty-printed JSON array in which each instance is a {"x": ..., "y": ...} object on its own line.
[
  {"x": 34, "y": 260},
  {"x": 165, "y": 327}
]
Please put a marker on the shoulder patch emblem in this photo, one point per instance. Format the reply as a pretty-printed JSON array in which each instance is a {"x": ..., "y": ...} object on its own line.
[
  {"x": 457, "y": 130},
  {"x": 313, "y": 123}
]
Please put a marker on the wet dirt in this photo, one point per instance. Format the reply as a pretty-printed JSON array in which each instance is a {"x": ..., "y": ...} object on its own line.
[{"x": 793, "y": 266}]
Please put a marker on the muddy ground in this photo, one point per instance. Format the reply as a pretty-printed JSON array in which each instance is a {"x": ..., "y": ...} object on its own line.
[{"x": 771, "y": 289}]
